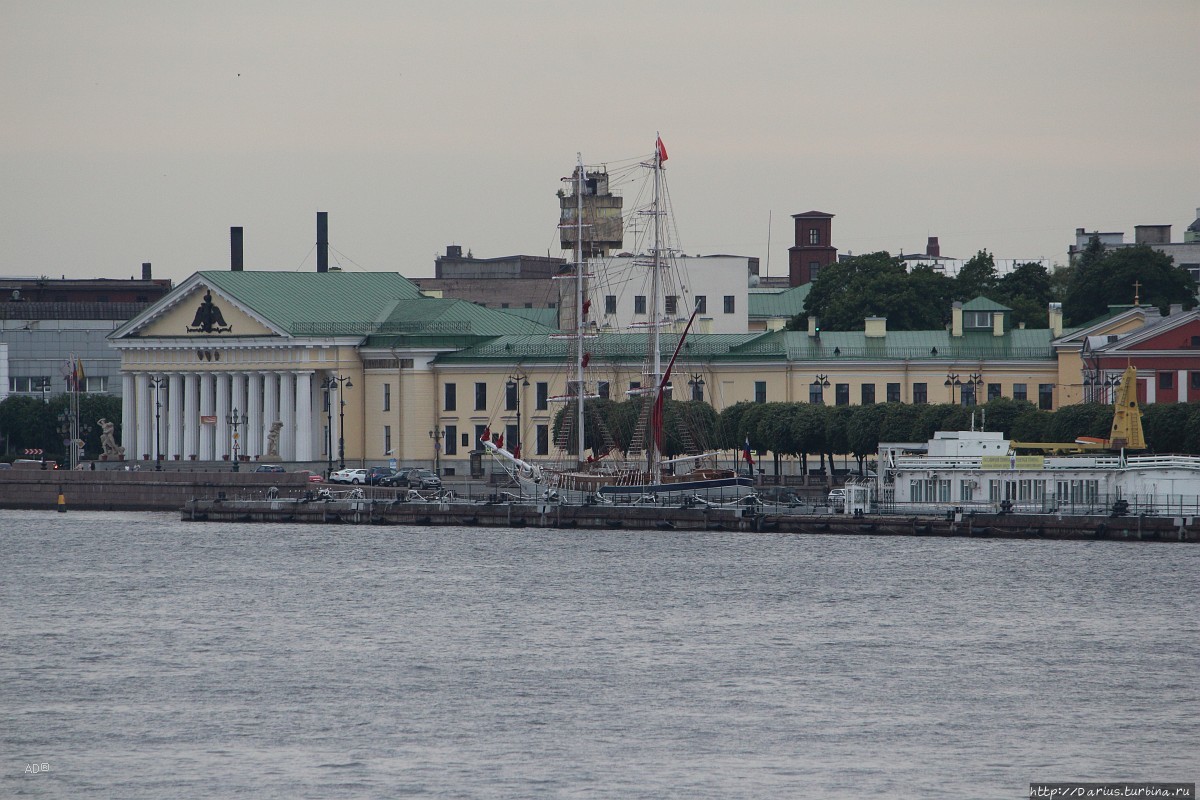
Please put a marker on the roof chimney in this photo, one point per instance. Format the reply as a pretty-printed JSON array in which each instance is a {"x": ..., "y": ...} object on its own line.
[
  {"x": 235, "y": 249},
  {"x": 146, "y": 271},
  {"x": 932, "y": 248},
  {"x": 322, "y": 241}
]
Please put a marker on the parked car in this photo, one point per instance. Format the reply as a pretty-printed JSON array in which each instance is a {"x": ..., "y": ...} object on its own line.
[
  {"x": 423, "y": 479},
  {"x": 354, "y": 476},
  {"x": 269, "y": 468},
  {"x": 313, "y": 477},
  {"x": 375, "y": 475},
  {"x": 397, "y": 478},
  {"x": 837, "y": 499},
  {"x": 781, "y": 495}
]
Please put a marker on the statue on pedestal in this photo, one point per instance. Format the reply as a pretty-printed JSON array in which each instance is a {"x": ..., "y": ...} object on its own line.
[
  {"x": 108, "y": 440},
  {"x": 273, "y": 440}
]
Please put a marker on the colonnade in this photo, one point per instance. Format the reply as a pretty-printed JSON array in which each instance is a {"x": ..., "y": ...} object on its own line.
[{"x": 191, "y": 414}]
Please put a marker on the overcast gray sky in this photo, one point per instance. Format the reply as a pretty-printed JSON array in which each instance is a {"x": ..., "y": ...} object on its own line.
[{"x": 141, "y": 131}]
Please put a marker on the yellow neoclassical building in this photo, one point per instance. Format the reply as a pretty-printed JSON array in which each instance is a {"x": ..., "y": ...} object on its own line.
[{"x": 313, "y": 369}]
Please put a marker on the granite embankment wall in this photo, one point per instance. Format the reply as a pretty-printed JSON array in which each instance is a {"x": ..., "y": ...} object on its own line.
[{"x": 117, "y": 490}]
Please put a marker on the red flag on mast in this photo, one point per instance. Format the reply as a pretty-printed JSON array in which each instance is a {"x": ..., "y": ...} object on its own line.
[{"x": 662, "y": 150}]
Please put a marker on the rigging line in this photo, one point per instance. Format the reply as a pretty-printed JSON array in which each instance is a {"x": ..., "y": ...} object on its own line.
[{"x": 304, "y": 260}]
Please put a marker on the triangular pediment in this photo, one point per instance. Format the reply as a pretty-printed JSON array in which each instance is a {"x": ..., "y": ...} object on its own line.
[
  {"x": 1177, "y": 332},
  {"x": 197, "y": 309},
  {"x": 1127, "y": 321}
]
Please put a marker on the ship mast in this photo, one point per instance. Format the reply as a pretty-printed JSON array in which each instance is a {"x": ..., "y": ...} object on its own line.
[
  {"x": 653, "y": 460},
  {"x": 579, "y": 353}
]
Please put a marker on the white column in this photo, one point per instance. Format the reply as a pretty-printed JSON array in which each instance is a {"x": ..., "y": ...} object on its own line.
[
  {"x": 222, "y": 412},
  {"x": 175, "y": 400},
  {"x": 208, "y": 382},
  {"x": 304, "y": 416},
  {"x": 128, "y": 438},
  {"x": 191, "y": 415},
  {"x": 254, "y": 438},
  {"x": 287, "y": 415},
  {"x": 145, "y": 436},
  {"x": 1181, "y": 380},
  {"x": 270, "y": 409}
]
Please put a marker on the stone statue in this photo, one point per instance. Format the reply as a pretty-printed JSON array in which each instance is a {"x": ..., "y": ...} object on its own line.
[
  {"x": 273, "y": 440},
  {"x": 108, "y": 440}
]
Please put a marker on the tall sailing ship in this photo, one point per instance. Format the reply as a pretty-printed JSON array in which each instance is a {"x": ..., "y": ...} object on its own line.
[{"x": 636, "y": 470}]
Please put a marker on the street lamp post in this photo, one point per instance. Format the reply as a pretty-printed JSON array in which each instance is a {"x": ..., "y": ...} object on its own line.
[
  {"x": 156, "y": 385},
  {"x": 515, "y": 382},
  {"x": 976, "y": 381},
  {"x": 235, "y": 419},
  {"x": 951, "y": 382},
  {"x": 44, "y": 388},
  {"x": 1111, "y": 383},
  {"x": 822, "y": 382},
  {"x": 696, "y": 381},
  {"x": 436, "y": 435},
  {"x": 335, "y": 383}
]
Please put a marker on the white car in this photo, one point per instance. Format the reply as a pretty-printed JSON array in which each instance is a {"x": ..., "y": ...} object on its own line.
[
  {"x": 837, "y": 499},
  {"x": 355, "y": 476}
]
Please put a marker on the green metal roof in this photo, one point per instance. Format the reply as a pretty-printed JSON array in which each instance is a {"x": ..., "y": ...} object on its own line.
[
  {"x": 984, "y": 304},
  {"x": 438, "y": 322},
  {"x": 777, "y": 303},
  {"x": 316, "y": 302},
  {"x": 621, "y": 347},
  {"x": 1020, "y": 344}
]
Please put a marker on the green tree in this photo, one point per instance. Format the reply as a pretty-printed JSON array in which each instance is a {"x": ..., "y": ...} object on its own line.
[
  {"x": 977, "y": 277},
  {"x": 1027, "y": 291},
  {"x": 1102, "y": 278},
  {"x": 877, "y": 284}
]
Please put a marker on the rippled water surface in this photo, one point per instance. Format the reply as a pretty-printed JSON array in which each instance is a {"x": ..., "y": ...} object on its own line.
[{"x": 145, "y": 657}]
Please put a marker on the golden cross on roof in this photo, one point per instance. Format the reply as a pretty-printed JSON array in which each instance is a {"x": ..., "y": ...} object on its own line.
[{"x": 1137, "y": 285}]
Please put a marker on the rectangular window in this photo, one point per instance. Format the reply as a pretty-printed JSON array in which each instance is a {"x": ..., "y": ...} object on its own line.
[
  {"x": 977, "y": 320},
  {"x": 451, "y": 397},
  {"x": 702, "y": 303},
  {"x": 814, "y": 236},
  {"x": 451, "y": 440},
  {"x": 671, "y": 304},
  {"x": 543, "y": 439},
  {"x": 511, "y": 437},
  {"x": 966, "y": 394},
  {"x": 1194, "y": 378},
  {"x": 1166, "y": 380},
  {"x": 1046, "y": 396},
  {"x": 542, "y": 401},
  {"x": 966, "y": 491},
  {"x": 697, "y": 384},
  {"x": 893, "y": 393},
  {"x": 387, "y": 398},
  {"x": 920, "y": 393},
  {"x": 603, "y": 390},
  {"x": 480, "y": 396},
  {"x": 816, "y": 394},
  {"x": 814, "y": 267},
  {"x": 29, "y": 384},
  {"x": 760, "y": 391},
  {"x": 510, "y": 396},
  {"x": 639, "y": 304},
  {"x": 478, "y": 436},
  {"x": 728, "y": 304},
  {"x": 868, "y": 394},
  {"x": 1020, "y": 391},
  {"x": 634, "y": 386},
  {"x": 387, "y": 440},
  {"x": 96, "y": 384},
  {"x": 993, "y": 391},
  {"x": 841, "y": 394},
  {"x": 610, "y": 304}
]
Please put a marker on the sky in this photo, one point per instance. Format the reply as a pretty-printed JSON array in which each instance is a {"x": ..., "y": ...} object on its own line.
[{"x": 136, "y": 132}]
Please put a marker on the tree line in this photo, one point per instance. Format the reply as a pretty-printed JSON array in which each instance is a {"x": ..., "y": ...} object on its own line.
[
  {"x": 805, "y": 431},
  {"x": 879, "y": 284}
]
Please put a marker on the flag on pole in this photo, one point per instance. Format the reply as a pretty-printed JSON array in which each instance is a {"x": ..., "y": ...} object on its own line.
[
  {"x": 661, "y": 150},
  {"x": 746, "y": 453},
  {"x": 80, "y": 378}
]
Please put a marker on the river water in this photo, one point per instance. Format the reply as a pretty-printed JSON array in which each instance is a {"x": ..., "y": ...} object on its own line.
[{"x": 145, "y": 657}]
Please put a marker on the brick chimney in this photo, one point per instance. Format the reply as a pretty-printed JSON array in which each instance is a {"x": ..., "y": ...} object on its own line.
[{"x": 932, "y": 248}]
